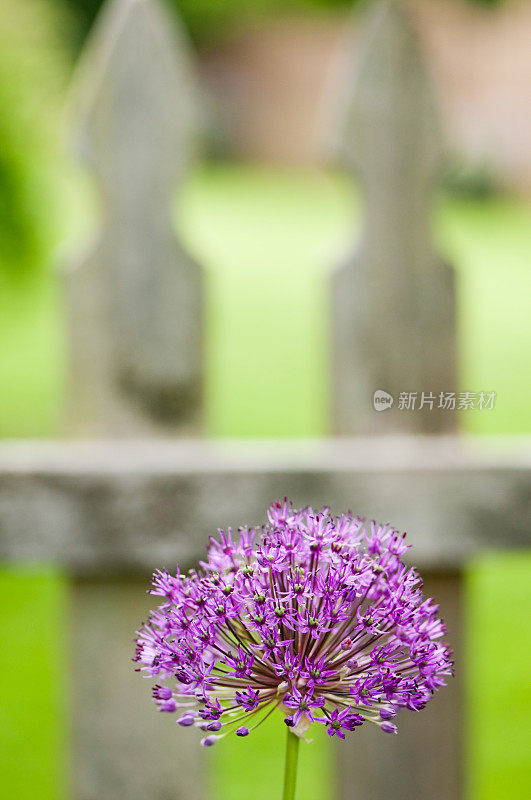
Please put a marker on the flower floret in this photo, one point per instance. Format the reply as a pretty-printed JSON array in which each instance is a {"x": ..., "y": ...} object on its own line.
[{"x": 312, "y": 615}]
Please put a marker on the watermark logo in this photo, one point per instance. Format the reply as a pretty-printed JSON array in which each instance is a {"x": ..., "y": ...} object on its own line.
[
  {"x": 382, "y": 400},
  {"x": 446, "y": 401}
]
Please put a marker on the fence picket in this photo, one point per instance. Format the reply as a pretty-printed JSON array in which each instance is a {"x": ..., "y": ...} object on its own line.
[
  {"x": 393, "y": 298},
  {"x": 135, "y": 302}
]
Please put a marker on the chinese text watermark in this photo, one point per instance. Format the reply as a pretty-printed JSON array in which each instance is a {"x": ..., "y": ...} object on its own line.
[{"x": 446, "y": 401}]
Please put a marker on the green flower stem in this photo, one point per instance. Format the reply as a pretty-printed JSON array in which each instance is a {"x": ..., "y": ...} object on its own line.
[{"x": 290, "y": 773}]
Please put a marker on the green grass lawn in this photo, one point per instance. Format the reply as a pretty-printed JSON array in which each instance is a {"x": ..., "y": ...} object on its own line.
[
  {"x": 489, "y": 243},
  {"x": 33, "y": 683},
  {"x": 498, "y": 654},
  {"x": 268, "y": 240}
]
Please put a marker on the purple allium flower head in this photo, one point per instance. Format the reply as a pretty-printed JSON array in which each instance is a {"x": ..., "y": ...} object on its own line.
[{"x": 314, "y": 615}]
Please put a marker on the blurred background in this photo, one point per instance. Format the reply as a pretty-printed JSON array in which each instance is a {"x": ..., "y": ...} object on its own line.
[{"x": 267, "y": 202}]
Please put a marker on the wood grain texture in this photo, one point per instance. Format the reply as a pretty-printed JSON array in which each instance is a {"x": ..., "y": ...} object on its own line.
[
  {"x": 102, "y": 508},
  {"x": 394, "y": 305},
  {"x": 135, "y": 299},
  {"x": 122, "y": 747},
  {"x": 424, "y": 760}
]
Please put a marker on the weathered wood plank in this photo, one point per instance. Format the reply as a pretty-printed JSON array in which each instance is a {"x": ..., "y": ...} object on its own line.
[
  {"x": 394, "y": 297},
  {"x": 122, "y": 748},
  {"x": 96, "y": 507},
  {"x": 424, "y": 762},
  {"x": 135, "y": 300}
]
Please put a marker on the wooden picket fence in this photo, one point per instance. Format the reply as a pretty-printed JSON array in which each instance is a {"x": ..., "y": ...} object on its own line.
[{"x": 135, "y": 486}]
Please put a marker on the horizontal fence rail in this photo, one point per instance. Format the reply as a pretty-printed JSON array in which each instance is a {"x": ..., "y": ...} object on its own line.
[{"x": 96, "y": 507}]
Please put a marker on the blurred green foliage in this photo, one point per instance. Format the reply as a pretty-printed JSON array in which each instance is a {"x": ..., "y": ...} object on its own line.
[
  {"x": 208, "y": 20},
  {"x": 465, "y": 180},
  {"x": 34, "y": 68},
  {"x": 211, "y": 19}
]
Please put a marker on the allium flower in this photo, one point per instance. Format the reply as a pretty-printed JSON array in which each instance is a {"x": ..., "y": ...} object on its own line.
[{"x": 313, "y": 615}]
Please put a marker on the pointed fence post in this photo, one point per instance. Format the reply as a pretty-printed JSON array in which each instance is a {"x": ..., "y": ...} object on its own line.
[
  {"x": 424, "y": 761},
  {"x": 394, "y": 298},
  {"x": 135, "y": 301},
  {"x": 134, "y": 308},
  {"x": 122, "y": 747}
]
